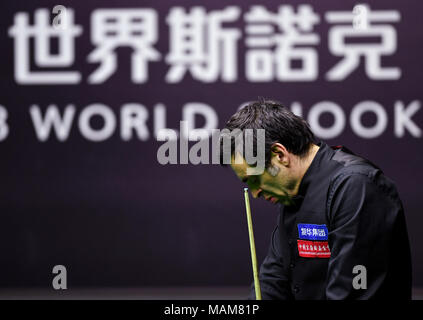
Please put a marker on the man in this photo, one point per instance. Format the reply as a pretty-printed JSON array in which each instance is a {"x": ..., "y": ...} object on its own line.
[{"x": 341, "y": 231}]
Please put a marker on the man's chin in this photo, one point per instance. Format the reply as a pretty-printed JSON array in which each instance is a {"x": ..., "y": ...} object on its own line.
[
  {"x": 274, "y": 200},
  {"x": 286, "y": 201},
  {"x": 280, "y": 200}
]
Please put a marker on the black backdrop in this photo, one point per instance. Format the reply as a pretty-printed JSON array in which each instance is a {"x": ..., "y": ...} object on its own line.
[{"x": 114, "y": 216}]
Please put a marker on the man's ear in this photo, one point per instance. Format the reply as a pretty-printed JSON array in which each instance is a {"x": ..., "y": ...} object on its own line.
[
  {"x": 237, "y": 158},
  {"x": 282, "y": 155}
]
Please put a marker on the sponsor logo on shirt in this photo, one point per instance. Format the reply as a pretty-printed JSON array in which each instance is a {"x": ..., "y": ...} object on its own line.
[
  {"x": 312, "y": 231},
  {"x": 313, "y": 249}
]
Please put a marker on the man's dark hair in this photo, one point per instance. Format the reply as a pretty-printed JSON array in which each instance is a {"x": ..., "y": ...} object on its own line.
[{"x": 280, "y": 125}]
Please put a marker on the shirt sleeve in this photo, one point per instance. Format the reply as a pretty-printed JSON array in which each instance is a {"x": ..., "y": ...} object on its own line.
[
  {"x": 361, "y": 218},
  {"x": 273, "y": 279}
]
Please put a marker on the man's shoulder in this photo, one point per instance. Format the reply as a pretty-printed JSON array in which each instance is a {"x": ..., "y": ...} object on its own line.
[
  {"x": 356, "y": 172},
  {"x": 350, "y": 165}
]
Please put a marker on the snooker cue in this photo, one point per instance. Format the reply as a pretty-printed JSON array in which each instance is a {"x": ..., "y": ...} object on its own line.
[{"x": 252, "y": 245}]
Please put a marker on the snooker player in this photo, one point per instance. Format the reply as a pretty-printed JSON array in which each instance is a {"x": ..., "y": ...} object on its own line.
[{"x": 338, "y": 214}]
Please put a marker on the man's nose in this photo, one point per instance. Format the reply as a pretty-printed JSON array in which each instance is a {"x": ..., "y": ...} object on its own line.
[{"x": 256, "y": 192}]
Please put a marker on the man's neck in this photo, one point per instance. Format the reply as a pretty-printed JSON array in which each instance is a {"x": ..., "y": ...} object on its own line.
[{"x": 305, "y": 163}]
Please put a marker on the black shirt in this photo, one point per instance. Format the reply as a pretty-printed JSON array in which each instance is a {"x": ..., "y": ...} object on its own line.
[{"x": 347, "y": 215}]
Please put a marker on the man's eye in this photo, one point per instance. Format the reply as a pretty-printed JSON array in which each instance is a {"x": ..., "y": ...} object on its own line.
[{"x": 253, "y": 179}]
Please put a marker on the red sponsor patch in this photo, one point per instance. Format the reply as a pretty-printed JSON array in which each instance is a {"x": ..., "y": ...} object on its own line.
[{"x": 313, "y": 249}]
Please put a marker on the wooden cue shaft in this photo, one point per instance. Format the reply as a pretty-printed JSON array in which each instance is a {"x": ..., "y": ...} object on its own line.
[{"x": 252, "y": 245}]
